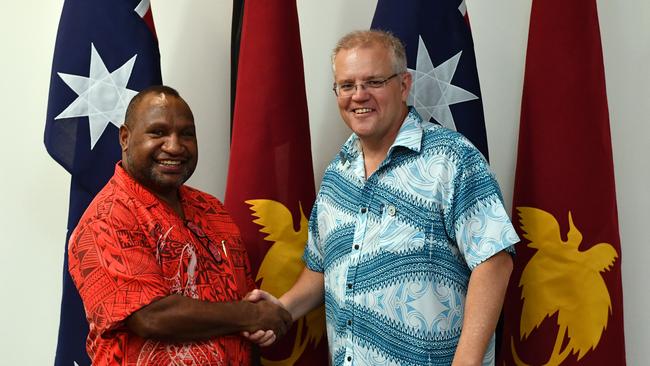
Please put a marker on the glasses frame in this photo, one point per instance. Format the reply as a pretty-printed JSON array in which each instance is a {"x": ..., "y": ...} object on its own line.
[
  {"x": 205, "y": 241},
  {"x": 365, "y": 85}
]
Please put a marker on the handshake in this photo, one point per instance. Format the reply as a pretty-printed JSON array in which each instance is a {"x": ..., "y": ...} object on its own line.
[{"x": 271, "y": 320}]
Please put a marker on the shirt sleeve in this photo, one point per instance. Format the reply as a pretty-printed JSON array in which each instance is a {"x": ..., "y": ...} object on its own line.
[
  {"x": 114, "y": 267},
  {"x": 476, "y": 217},
  {"x": 313, "y": 255}
]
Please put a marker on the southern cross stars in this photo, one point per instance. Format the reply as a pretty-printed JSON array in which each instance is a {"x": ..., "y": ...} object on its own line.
[
  {"x": 102, "y": 96},
  {"x": 432, "y": 92}
]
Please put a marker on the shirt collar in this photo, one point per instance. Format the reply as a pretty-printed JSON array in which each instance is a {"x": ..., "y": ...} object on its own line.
[{"x": 139, "y": 191}]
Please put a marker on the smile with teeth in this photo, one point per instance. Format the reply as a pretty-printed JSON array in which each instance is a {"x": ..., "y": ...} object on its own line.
[
  {"x": 362, "y": 110},
  {"x": 169, "y": 162}
]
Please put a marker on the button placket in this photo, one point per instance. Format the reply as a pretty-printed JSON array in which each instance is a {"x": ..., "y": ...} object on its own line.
[{"x": 362, "y": 221}]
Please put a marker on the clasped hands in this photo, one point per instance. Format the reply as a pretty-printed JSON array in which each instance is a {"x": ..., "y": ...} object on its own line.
[{"x": 273, "y": 319}]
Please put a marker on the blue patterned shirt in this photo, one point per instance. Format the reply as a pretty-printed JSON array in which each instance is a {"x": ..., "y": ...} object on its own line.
[{"x": 397, "y": 249}]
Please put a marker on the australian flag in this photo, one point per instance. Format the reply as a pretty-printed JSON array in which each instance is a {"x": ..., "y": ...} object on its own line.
[
  {"x": 106, "y": 51},
  {"x": 440, "y": 54}
]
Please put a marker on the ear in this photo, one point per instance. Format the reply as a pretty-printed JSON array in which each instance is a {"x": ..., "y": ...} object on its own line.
[
  {"x": 124, "y": 137},
  {"x": 407, "y": 81}
]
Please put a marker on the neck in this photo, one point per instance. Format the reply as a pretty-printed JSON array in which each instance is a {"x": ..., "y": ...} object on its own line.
[{"x": 173, "y": 201}]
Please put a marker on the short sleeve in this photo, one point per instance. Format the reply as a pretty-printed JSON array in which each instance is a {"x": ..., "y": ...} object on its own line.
[
  {"x": 313, "y": 255},
  {"x": 114, "y": 267},
  {"x": 476, "y": 218}
]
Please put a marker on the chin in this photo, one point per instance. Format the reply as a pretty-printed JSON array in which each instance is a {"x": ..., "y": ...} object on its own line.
[
  {"x": 362, "y": 132},
  {"x": 170, "y": 182}
]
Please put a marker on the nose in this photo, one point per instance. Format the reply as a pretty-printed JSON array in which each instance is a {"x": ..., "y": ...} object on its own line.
[
  {"x": 173, "y": 145},
  {"x": 360, "y": 92}
]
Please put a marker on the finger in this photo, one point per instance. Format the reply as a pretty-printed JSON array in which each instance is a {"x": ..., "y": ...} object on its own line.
[
  {"x": 269, "y": 335},
  {"x": 257, "y": 337},
  {"x": 252, "y": 296},
  {"x": 263, "y": 295},
  {"x": 268, "y": 342}
]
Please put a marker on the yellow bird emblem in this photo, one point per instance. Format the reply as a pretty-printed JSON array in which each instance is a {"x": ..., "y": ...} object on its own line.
[
  {"x": 559, "y": 278},
  {"x": 281, "y": 267}
]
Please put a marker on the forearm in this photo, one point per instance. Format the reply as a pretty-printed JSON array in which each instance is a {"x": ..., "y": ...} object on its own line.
[
  {"x": 180, "y": 318},
  {"x": 485, "y": 293},
  {"x": 306, "y": 294}
]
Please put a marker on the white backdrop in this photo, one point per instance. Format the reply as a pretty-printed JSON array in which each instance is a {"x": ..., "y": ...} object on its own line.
[{"x": 195, "y": 45}]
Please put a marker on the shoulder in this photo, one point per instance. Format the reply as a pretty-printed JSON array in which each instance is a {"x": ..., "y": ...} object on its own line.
[
  {"x": 112, "y": 201},
  {"x": 106, "y": 216},
  {"x": 206, "y": 203},
  {"x": 193, "y": 195},
  {"x": 436, "y": 136},
  {"x": 109, "y": 219},
  {"x": 452, "y": 146},
  {"x": 208, "y": 206}
]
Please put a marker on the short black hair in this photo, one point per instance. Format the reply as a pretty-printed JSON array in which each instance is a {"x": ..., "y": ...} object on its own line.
[{"x": 154, "y": 89}]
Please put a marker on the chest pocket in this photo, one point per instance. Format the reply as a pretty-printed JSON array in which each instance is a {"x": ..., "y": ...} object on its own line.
[
  {"x": 396, "y": 235},
  {"x": 238, "y": 260}
]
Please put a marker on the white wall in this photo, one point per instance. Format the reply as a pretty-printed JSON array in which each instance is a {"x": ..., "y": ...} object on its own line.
[{"x": 195, "y": 46}]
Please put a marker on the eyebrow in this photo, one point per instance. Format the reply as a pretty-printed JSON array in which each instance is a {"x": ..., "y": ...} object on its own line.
[{"x": 371, "y": 77}]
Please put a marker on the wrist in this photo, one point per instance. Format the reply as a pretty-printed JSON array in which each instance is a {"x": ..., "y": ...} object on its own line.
[
  {"x": 250, "y": 313},
  {"x": 288, "y": 306}
]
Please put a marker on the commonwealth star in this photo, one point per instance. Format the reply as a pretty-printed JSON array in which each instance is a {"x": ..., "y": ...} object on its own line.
[
  {"x": 432, "y": 92},
  {"x": 102, "y": 96}
]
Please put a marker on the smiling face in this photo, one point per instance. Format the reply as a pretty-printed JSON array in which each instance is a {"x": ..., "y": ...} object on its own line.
[
  {"x": 375, "y": 115},
  {"x": 159, "y": 148}
]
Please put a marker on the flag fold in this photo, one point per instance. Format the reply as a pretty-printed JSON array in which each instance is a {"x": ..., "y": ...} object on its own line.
[{"x": 564, "y": 303}]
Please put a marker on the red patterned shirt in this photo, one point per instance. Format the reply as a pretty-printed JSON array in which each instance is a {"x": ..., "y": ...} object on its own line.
[{"x": 130, "y": 249}]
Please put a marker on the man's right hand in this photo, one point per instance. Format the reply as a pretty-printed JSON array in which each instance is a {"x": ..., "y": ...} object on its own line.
[
  {"x": 264, "y": 336},
  {"x": 271, "y": 316}
]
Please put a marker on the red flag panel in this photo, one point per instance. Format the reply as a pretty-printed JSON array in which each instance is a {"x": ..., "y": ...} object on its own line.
[
  {"x": 564, "y": 304},
  {"x": 270, "y": 187}
]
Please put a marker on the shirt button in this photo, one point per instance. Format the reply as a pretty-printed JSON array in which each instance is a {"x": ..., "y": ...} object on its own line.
[
  {"x": 363, "y": 210},
  {"x": 349, "y": 358},
  {"x": 349, "y": 285},
  {"x": 391, "y": 210},
  {"x": 356, "y": 246},
  {"x": 349, "y": 322}
]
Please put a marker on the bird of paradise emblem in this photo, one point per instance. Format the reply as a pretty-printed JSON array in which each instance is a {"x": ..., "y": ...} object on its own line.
[
  {"x": 282, "y": 266},
  {"x": 560, "y": 278}
]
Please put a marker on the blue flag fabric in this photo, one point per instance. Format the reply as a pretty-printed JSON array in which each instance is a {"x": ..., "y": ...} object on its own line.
[
  {"x": 440, "y": 54},
  {"x": 106, "y": 51}
]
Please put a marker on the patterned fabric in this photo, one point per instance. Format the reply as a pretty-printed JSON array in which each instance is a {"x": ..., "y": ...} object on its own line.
[
  {"x": 397, "y": 249},
  {"x": 130, "y": 249}
]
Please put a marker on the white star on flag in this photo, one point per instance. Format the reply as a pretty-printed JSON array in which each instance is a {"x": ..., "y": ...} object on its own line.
[
  {"x": 102, "y": 96},
  {"x": 432, "y": 92},
  {"x": 462, "y": 8},
  {"x": 142, "y": 8}
]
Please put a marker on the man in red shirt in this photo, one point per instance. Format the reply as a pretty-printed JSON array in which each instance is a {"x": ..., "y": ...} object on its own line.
[{"x": 160, "y": 266}]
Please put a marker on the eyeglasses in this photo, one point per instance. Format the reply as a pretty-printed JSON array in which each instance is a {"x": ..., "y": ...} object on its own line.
[
  {"x": 346, "y": 90},
  {"x": 206, "y": 242}
]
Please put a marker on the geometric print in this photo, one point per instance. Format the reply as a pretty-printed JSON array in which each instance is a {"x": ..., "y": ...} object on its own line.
[
  {"x": 397, "y": 249},
  {"x": 130, "y": 249}
]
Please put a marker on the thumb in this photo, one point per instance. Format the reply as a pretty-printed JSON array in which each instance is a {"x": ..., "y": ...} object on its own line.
[{"x": 253, "y": 296}]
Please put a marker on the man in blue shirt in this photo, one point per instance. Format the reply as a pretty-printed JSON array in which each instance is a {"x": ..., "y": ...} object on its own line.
[{"x": 409, "y": 241}]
